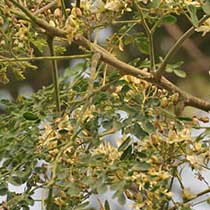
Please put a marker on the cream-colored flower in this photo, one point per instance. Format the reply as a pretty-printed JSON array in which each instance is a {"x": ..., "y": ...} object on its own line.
[
  {"x": 181, "y": 136},
  {"x": 107, "y": 149},
  {"x": 114, "y": 5},
  {"x": 205, "y": 27},
  {"x": 195, "y": 161}
]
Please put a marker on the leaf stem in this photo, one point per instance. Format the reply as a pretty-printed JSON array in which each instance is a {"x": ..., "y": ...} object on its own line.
[
  {"x": 63, "y": 7},
  {"x": 49, "y": 199},
  {"x": 55, "y": 75},
  {"x": 78, "y": 3},
  {"x": 126, "y": 21}
]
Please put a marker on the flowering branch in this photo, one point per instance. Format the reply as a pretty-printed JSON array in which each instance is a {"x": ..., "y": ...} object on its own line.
[
  {"x": 123, "y": 67},
  {"x": 176, "y": 47}
]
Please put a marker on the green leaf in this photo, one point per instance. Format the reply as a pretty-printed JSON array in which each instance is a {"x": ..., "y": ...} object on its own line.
[
  {"x": 206, "y": 7},
  {"x": 113, "y": 75},
  {"x": 144, "y": 166},
  {"x": 127, "y": 153},
  {"x": 81, "y": 85},
  {"x": 25, "y": 208},
  {"x": 106, "y": 205},
  {"x": 120, "y": 196},
  {"x": 125, "y": 144},
  {"x": 149, "y": 127},
  {"x": 63, "y": 131},
  {"x": 3, "y": 189},
  {"x": 142, "y": 154},
  {"x": 73, "y": 190},
  {"x": 168, "y": 19},
  {"x": 82, "y": 206},
  {"x": 128, "y": 40},
  {"x": 100, "y": 97},
  {"x": 189, "y": 119},
  {"x": 142, "y": 45},
  {"x": 71, "y": 71},
  {"x": 125, "y": 89},
  {"x": 30, "y": 116},
  {"x": 153, "y": 102},
  {"x": 16, "y": 181},
  {"x": 107, "y": 124},
  {"x": 185, "y": 208},
  {"x": 101, "y": 187},
  {"x": 193, "y": 14},
  {"x": 180, "y": 73},
  {"x": 169, "y": 69},
  {"x": 121, "y": 199},
  {"x": 139, "y": 132},
  {"x": 155, "y": 3},
  {"x": 29, "y": 201}
]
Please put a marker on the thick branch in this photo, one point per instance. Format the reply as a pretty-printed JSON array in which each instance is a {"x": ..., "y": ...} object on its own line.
[
  {"x": 122, "y": 66},
  {"x": 163, "y": 82}
]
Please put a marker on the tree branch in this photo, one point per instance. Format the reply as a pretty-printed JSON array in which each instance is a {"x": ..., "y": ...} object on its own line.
[{"x": 124, "y": 67}]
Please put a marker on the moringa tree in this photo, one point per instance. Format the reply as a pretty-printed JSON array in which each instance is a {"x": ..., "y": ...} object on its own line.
[{"x": 55, "y": 140}]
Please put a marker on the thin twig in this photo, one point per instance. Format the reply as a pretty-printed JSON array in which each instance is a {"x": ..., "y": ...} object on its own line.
[
  {"x": 43, "y": 58},
  {"x": 55, "y": 75},
  {"x": 126, "y": 21},
  {"x": 46, "y": 7},
  {"x": 176, "y": 47},
  {"x": 63, "y": 7},
  {"x": 190, "y": 47},
  {"x": 94, "y": 64}
]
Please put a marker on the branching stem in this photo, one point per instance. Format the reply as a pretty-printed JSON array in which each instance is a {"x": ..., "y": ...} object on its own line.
[{"x": 176, "y": 47}]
